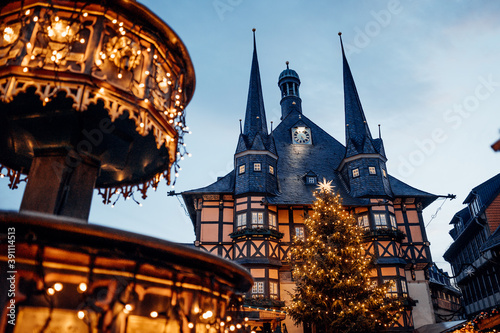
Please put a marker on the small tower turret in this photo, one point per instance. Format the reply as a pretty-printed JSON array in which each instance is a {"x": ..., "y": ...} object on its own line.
[{"x": 289, "y": 83}]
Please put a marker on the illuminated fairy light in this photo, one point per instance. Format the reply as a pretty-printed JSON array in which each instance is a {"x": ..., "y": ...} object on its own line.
[
  {"x": 8, "y": 34},
  {"x": 58, "y": 286},
  {"x": 82, "y": 287},
  {"x": 63, "y": 31},
  {"x": 81, "y": 314},
  {"x": 190, "y": 325},
  {"x": 51, "y": 291},
  {"x": 153, "y": 314},
  {"x": 207, "y": 314}
]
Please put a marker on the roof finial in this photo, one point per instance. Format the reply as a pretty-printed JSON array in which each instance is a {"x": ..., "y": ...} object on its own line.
[
  {"x": 379, "y": 134},
  {"x": 287, "y": 62},
  {"x": 254, "y": 44},
  {"x": 271, "y": 125},
  {"x": 241, "y": 129}
]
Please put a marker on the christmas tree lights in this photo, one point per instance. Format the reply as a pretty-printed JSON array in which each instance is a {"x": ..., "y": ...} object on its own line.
[{"x": 334, "y": 289}]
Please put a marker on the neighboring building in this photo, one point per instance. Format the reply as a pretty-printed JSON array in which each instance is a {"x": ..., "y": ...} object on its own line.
[
  {"x": 474, "y": 254},
  {"x": 445, "y": 297},
  {"x": 253, "y": 214}
]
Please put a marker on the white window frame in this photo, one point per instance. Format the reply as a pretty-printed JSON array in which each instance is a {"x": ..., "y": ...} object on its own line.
[
  {"x": 257, "y": 167},
  {"x": 241, "y": 169},
  {"x": 257, "y": 219},
  {"x": 392, "y": 289},
  {"x": 355, "y": 173},
  {"x": 372, "y": 170},
  {"x": 380, "y": 220},
  {"x": 363, "y": 221},
  {"x": 241, "y": 221},
  {"x": 404, "y": 288},
  {"x": 272, "y": 221},
  {"x": 311, "y": 180},
  {"x": 273, "y": 289},
  {"x": 299, "y": 233},
  {"x": 474, "y": 206},
  {"x": 260, "y": 287},
  {"x": 392, "y": 219}
]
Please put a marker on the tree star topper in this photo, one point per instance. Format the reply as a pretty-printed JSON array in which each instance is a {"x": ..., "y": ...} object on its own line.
[{"x": 325, "y": 186}]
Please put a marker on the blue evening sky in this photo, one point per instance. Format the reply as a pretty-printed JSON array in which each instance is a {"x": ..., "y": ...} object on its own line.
[{"x": 427, "y": 71}]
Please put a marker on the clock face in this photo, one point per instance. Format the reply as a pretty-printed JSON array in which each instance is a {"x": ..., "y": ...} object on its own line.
[{"x": 301, "y": 135}]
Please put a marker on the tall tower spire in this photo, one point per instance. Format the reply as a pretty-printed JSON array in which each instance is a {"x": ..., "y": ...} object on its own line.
[
  {"x": 363, "y": 167},
  {"x": 358, "y": 137},
  {"x": 255, "y": 156},
  {"x": 255, "y": 116}
]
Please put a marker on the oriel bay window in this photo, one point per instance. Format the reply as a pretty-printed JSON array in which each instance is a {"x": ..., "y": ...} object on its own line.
[
  {"x": 380, "y": 221},
  {"x": 363, "y": 221},
  {"x": 272, "y": 221},
  {"x": 273, "y": 289},
  {"x": 392, "y": 288},
  {"x": 257, "y": 220},
  {"x": 258, "y": 289},
  {"x": 392, "y": 218},
  {"x": 241, "y": 221}
]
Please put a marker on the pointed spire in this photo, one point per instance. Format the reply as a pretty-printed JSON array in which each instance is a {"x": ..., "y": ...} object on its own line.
[
  {"x": 358, "y": 137},
  {"x": 255, "y": 117}
]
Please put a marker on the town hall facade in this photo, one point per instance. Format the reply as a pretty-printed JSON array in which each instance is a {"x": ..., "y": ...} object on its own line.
[{"x": 253, "y": 214}]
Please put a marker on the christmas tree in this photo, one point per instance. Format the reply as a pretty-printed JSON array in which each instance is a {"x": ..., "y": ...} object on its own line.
[{"x": 334, "y": 292}]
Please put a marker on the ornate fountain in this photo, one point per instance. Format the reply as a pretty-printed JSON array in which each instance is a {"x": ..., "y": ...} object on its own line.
[{"x": 93, "y": 96}]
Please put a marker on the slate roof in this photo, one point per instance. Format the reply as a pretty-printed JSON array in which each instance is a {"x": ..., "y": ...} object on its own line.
[
  {"x": 486, "y": 191},
  {"x": 322, "y": 158},
  {"x": 295, "y": 161},
  {"x": 357, "y": 133},
  {"x": 255, "y": 115}
]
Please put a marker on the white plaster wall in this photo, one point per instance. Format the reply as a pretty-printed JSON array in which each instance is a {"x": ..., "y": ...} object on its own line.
[{"x": 423, "y": 312}]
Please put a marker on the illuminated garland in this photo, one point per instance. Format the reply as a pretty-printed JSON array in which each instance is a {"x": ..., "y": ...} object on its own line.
[{"x": 128, "y": 70}]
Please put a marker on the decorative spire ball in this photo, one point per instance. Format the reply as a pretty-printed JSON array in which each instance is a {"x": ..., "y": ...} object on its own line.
[
  {"x": 287, "y": 62},
  {"x": 254, "y": 29},
  {"x": 340, "y": 34}
]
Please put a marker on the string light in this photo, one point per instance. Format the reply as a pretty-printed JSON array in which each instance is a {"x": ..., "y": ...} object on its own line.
[{"x": 63, "y": 30}]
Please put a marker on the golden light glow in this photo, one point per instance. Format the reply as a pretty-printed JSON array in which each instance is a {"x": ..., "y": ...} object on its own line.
[
  {"x": 153, "y": 314},
  {"x": 207, "y": 314},
  {"x": 82, "y": 287},
  {"x": 58, "y": 286},
  {"x": 81, "y": 314}
]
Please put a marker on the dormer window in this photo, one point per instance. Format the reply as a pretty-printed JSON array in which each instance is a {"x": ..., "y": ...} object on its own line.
[
  {"x": 310, "y": 178},
  {"x": 384, "y": 173},
  {"x": 256, "y": 167},
  {"x": 271, "y": 170},
  {"x": 241, "y": 169},
  {"x": 355, "y": 173},
  {"x": 474, "y": 206},
  {"x": 372, "y": 170}
]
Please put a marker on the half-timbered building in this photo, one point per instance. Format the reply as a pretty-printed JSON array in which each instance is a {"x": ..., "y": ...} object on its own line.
[
  {"x": 474, "y": 254},
  {"x": 253, "y": 214}
]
